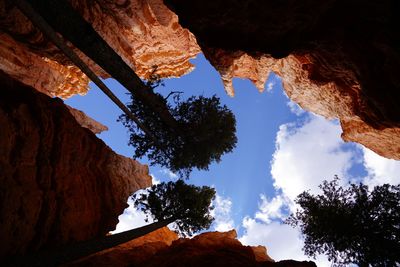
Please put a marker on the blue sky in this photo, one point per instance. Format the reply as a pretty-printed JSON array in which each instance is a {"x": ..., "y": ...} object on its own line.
[
  {"x": 241, "y": 175},
  {"x": 281, "y": 151}
]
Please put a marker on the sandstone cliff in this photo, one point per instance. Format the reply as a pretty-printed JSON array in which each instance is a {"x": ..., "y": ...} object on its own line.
[
  {"x": 163, "y": 248},
  {"x": 87, "y": 122},
  {"x": 59, "y": 182},
  {"x": 337, "y": 59},
  {"x": 145, "y": 34},
  {"x": 340, "y": 59}
]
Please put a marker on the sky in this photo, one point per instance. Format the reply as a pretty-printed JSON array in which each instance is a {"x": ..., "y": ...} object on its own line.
[{"x": 282, "y": 151}]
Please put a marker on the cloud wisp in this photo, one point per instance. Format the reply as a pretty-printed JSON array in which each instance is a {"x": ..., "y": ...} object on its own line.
[
  {"x": 222, "y": 214},
  {"x": 171, "y": 175}
]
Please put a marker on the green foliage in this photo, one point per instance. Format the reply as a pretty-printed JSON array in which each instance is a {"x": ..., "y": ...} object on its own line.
[
  {"x": 351, "y": 225},
  {"x": 204, "y": 131},
  {"x": 188, "y": 205}
]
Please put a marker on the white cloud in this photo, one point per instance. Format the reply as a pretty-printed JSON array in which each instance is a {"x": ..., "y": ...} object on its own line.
[
  {"x": 282, "y": 241},
  {"x": 307, "y": 155},
  {"x": 274, "y": 209},
  {"x": 266, "y": 228},
  {"x": 380, "y": 170},
  {"x": 154, "y": 180},
  {"x": 295, "y": 108},
  {"x": 133, "y": 218},
  {"x": 171, "y": 175},
  {"x": 270, "y": 86},
  {"x": 222, "y": 214},
  {"x": 130, "y": 219}
]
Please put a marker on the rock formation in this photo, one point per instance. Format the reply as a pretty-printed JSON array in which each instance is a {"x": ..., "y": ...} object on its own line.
[
  {"x": 337, "y": 59},
  {"x": 135, "y": 252},
  {"x": 340, "y": 59},
  {"x": 163, "y": 248},
  {"x": 87, "y": 122},
  {"x": 59, "y": 182},
  {"x": 145, "y": 34}
]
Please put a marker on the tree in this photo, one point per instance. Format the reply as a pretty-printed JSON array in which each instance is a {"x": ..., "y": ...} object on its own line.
[
  {"x": 188, "y": 206},
  {"x": 185, "y": 144},
  {"x": 203, "y": 132},
  {"x": 351, "y": 225}
]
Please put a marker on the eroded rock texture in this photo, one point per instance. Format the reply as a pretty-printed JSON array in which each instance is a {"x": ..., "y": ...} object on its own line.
[
  {"x": 163, "y": 248},
  {"x": 340, "y": 59},
  {"x": 86, "y": 121},
  {"x": 59, "y": 182},
  {"x": 145, "y": 34}
]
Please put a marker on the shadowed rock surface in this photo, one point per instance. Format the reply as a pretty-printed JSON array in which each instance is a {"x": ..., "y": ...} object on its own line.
[
  {"x": 339, "y": 59},
  {"x": 59, "y": 182}
]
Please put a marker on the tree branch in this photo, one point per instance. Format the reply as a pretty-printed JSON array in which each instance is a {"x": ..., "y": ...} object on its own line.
[{"x": 172, "y": 93}]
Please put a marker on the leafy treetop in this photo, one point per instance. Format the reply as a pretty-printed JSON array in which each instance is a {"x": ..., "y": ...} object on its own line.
[
  {"x": 201, "y": 131},
  {"x": 188, "y": 205},
  {"x": 351, "y": 225}
]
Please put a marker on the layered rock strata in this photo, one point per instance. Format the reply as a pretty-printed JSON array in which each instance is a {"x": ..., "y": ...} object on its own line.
[
  {"x": 145, "y": 34},
  {"x": 59, "y": 182},
  {"x": 163, "y": 248},
  {"x": 340, "y": 59}
]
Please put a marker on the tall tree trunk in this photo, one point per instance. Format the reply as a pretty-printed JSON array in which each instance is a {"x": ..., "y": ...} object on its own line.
[
  {"x": 70, "y": 24},
  {"x": 49, "y": 32},
  {"x": 79, "y": 250}
]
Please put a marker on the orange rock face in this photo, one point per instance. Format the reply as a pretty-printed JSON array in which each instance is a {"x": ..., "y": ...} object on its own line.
[
  {"x": 144, "y": 33},
  {"x": 87, "y": 122},
  {"x": 59, "y": 182},
  {"x": 327, "y": 99},
  {"x": 339, "y": 60},
  {"x": 135, "y": 252},
  {"x": 163, "y": 248}
]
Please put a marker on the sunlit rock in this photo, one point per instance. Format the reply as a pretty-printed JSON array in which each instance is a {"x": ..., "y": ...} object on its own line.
[
  {"x": 145, "y": 34},
  {"x": 162, "y": 248}
]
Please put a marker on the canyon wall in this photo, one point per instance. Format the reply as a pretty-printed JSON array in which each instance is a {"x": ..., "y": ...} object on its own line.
[
  {"x": 162, "y": 248},
  {"x": 59, "y": 182},
  {"x": 339, "y": 59},
  {"x": 146, "y": 34}
]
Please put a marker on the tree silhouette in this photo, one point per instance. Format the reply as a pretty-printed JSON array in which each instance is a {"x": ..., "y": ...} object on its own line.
[
  {"x": 188, "y": 206},
  {"x": 201, "y": 131},
  {"x": 351, "y": 225}
]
